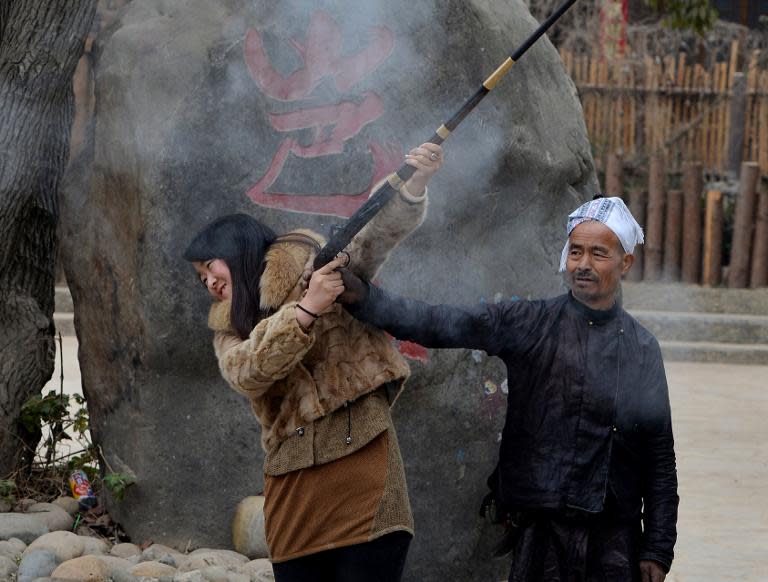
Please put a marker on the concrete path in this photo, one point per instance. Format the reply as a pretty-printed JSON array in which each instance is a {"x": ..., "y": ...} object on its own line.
[{"x": 720, "y": 416}]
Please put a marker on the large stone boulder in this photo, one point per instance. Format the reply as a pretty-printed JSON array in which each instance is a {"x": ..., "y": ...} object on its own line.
[{"x": 290, "y": 111}]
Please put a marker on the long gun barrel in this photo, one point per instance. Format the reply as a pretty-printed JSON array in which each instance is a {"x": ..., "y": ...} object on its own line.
[{"x": 343, "y": 235}]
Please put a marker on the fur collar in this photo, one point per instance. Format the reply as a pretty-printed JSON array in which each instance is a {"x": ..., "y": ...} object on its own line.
[{"x": 284, "y": 264}]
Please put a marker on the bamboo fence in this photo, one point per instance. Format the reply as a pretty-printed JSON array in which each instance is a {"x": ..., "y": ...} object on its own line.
[{"x": 637, "y": 108}]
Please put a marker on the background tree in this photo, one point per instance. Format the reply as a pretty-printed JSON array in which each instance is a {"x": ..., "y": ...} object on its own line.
[{"x": 40, "y": 44}]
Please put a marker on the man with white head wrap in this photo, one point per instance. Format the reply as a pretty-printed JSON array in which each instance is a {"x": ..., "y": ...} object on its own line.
[
  {"x": 586, "y": 463},
  {"x": 613, "y": 213}
]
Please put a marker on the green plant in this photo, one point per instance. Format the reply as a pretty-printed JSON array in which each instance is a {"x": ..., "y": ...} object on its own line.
[
  {"x": 7, "y": 490},
  {"x": 117, "y": 483},
  {"x": 41, "y": 409},
  {"x": 696, "y": 15},
  {"x": 52, "y": 411}
]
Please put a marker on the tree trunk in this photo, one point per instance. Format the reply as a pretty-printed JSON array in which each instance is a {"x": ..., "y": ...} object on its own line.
[{"x": 40, "y": 44}]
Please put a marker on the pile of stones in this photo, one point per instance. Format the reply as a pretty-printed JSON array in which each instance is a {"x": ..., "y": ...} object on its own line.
[{"x": 37, "y": 545}]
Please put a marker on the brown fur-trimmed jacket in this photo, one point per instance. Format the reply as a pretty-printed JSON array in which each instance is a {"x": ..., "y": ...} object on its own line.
[{"x": 309, "y": 387}]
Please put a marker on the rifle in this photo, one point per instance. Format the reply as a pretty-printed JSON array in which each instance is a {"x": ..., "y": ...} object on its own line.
[{"x": 343, "y": 235}]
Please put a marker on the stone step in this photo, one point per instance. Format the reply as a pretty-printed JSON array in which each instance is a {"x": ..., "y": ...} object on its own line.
[
  {"x": 676, "y": 351},
  {"x": 63, "y": 300},
  {"x": 65, "y": 323},
  {"x": 705, "y": 327},
  {"x": 694, "y": 298}
]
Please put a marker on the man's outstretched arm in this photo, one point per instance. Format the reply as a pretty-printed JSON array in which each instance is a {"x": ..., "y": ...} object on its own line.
[{"x": 491, "y": 328}]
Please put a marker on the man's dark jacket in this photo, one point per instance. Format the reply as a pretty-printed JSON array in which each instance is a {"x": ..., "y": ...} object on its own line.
[{"x": 588, "y": 407}]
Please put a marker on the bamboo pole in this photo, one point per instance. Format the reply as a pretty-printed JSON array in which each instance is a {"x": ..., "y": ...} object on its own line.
[
  {"x": 725, "y": 119},
  {"x": 617, "y": 114},
  {"x": 763, "y": 117},
  {"x": 637, "y": 203},
  {"x": 655, "y": 239},
  {"x": 693, "y": 184},
  {"x": 753, "y": 102},
  {"x": 720, "y": 119},
  {"x": 743, "y": 224},
  {"x": 736, "y": 119},
  {"x": 614, "y": 180},
  {"x": 603, "y": 108},
  {"x": 687, "y": 111},
  {"x": 713, "y": 239},
  {"x": 667, "y": 120},
  {"x": 759, "y": 275},
  {"x": 678, "y": 96},
  {"x": 713, "y": 119},
  {"x": 632, "y": 141},
  {"x": 650, "y": 106},
  {"x": 700, "y": 137},
  {"x": 592, "y": 98},
  {"x": 672, "y": 235}
]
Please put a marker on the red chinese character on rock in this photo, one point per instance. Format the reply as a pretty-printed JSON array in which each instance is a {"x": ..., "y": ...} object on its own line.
[{"x": 333, "y": 124}]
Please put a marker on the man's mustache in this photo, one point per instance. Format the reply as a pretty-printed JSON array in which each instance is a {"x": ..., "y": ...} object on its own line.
[{"x": 589, "y": 275}]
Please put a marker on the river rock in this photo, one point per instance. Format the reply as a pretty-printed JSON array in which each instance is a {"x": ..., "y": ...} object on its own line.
[
  {"x": 8, "y": 568},
  {"x": 64, "y": 544},
  {"x": 152, "y": 570},
  {"x": 10, "y": 550},
  {"x": 23, "y": 504},
  {"x": 207, "y": 108},
  {"x": 170, "y": 560},
  {"x": 125, "y": 550},
  {"x": 90, "y": 568},
  {"x": 204, "y": 557},
  {"x": 37, "y": 564},
  {"x": 248, "y": 535},
  {"x": 259, "y": 570},
  {"x": 94, "y": 546},
  {"x": 68, "y": 504},
  {"x": 158, "y": 551},
  {"x": 215, "y": 574},
  {"x": 194, "y": 576},
  {"x": 56, "y": 518},
  {"x": 22, "y": 526}
]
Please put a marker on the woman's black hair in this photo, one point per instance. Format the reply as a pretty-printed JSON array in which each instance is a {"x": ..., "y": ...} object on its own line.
[{"x": 241, "y": 242}]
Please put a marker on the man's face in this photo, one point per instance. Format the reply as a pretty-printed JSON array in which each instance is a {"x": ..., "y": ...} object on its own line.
[{"x": 596, "y": 262}]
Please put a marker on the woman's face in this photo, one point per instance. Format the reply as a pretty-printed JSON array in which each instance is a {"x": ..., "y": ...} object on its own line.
[{"x": 214, "y": 275}]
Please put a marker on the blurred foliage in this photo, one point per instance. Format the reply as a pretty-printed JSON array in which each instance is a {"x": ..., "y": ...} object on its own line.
[
  {"x": 695, "y": 15},
  {"x": 7, "y": 490}
]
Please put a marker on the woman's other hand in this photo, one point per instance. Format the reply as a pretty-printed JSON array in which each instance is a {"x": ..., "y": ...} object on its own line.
[
  {"x": 427, "y": 159},
  {"x": 325, "y": 286}
]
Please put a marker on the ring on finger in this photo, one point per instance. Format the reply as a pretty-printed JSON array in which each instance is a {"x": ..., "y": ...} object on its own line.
[{"x": 434, "y": 157}]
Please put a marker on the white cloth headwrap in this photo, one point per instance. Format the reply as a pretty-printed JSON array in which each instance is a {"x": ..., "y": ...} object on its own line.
[{"x": 614, "y": 214}]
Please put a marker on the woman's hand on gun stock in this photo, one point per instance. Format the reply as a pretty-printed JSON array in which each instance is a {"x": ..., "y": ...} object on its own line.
[{"x": 325, "y": 286}]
